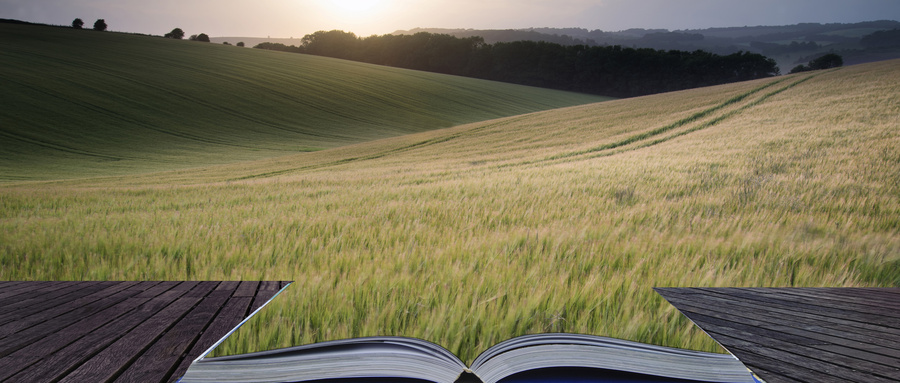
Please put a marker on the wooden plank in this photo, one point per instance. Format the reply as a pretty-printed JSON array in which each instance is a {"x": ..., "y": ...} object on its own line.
[
  {"x": 246, "y": 289},
  {"x": 184, "y": 286},
  {"x": 17, "y": 287},
  {"x": 825, "y": 311},
  {"x": 18, "y": 291},
  {"x": 778, "y": 371},
  {"x": 49, "y": 301},
  {"x": 159, "y": 362},
  {"x": 129, "y": 347},
  {"x": 851, "y": 359},
  {"x": 83, "y": 307},
  {"x": 228, "y": 285},
  {"x": 833, "y": 335},
  {"x": 108, "y": 363},
  {"x": 819, "y": 298},
  {"x": 14, "y": 292},
  {"x": 102, "y": 331},
  {"x": 227, "y": 319},
  {"x": 890, "y": 302},
  {"x": 160, "y": 288},
  {"x": 715, "y": 318},
  {"x": 818, "y": 342},
  {"x": 837, "y": 373},
  {"x": 862, "y": 352},
  {"x": 800, "y": 326},
  {"x": 808, "y": 322},
  {"x": 847, "y": 327},
  {"x": 54, "y": 366},
  {"x": 202, "y": 289},
  {"x": 53, "y": 341},
  {"x": 884, "y": 292},
  {"x": 265, "y": 292},
  {"x": 853, "y": 321}
]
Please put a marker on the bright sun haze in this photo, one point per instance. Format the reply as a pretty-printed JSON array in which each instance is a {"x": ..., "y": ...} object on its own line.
[
  {"x": 355, "y": 5},
  {"x": 360, "y": 16}
]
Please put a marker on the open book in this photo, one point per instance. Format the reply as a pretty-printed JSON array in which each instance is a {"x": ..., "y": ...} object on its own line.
[{"x": 554, "y": 357}]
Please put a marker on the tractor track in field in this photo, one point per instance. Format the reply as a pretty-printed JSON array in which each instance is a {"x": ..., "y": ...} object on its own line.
[
  {"x": 382, "y": 154},
  {"x": 693, "y": 123}
]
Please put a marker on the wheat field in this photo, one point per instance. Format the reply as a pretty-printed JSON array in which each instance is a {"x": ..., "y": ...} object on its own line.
[
  {"x": 79, "y": 104},
  {"x": 562, "y": 220}
]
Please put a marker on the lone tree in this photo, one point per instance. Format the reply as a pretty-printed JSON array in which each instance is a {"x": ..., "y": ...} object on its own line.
[
  {"x": 100, "y": 25},
  {"x": 176, "y": 33},
  {"x": 828, "y": 61},
  {"x": 77, "y": 23},
  {"x": 240, "y": 44},
  {"x": 201, "y": 37},
  {"x": 800, "y": 68}
]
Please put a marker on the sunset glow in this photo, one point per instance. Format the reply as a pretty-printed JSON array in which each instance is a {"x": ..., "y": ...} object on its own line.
[
  {"x": 285, "y": 18},
  {"x": 356, "y": 6}
]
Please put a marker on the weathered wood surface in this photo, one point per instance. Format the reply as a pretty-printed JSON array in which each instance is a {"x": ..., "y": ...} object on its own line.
[
  {"x": 117, "y": 331},
  {"x": 801, "y": 334}
]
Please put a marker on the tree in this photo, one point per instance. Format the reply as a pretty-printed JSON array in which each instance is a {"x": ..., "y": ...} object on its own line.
[
  {"x": 828, "y": 61},
  {"x": 77, "y": 23},
  {"x": 240, "y": 44},
  {"x": 332, "y": 43},
  {"x": 881, "y": 39},
  {"x": 176, "y": 33},
  {"x": 100, "y": 25},
  {"x": 201, "y": 37},
  {"x": 800, "y": 68}
]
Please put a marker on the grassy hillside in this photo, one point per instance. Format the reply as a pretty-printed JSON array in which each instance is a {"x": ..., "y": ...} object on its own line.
[
  {"x": 80, "y": 103},
  {"x": 553, "y": 221}
]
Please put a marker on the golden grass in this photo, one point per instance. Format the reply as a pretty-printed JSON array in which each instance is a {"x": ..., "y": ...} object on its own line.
[{"x": 474, "y": 234}]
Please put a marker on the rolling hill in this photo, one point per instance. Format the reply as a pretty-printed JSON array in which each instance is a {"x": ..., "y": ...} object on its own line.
[
  {"x": 560, "y": 220},
  {"x": 80, "y": 103}
]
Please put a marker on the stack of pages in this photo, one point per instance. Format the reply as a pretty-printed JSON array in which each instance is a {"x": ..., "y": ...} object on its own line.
[{"x": 554, "y": 357}]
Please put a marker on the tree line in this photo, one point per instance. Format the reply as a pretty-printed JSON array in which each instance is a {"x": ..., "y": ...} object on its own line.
[
  {"x": 177, "y": 33},
  {"x": 605, "y": 70},
  {"x": 827, "y": 61},
  {"x": 99, "y": 25},
  {"x": 881, "y": 39}
]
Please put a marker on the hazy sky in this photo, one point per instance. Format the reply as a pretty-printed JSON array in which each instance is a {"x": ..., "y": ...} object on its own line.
[{"x": 295, "y": 18}]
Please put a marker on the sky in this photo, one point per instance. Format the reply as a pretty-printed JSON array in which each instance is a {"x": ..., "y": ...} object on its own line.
[{"x": 295, "y": 18}]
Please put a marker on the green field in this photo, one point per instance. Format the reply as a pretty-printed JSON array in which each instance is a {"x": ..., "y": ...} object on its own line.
[
  {"x": 561, "y": 220},
  {"x": 79, "y": 103}
]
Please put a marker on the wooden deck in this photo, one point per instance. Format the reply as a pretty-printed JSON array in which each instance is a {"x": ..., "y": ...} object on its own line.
[
  {"x": 117, "y": 331},
  {"x": 801, "y": 334}
]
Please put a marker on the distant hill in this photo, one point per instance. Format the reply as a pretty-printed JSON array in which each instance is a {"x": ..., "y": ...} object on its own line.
[
  {"x": 787, "y": 44},
  {"x": 250, "y": 42},
  {"x": 509, "y": 35},
  {"x": 718, "y": 36},
  {"x": 81, "y": 103}
]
